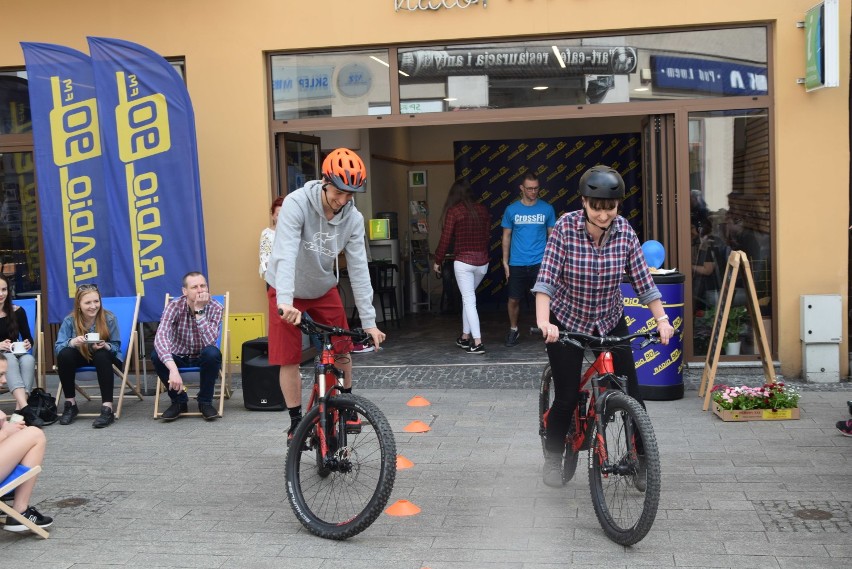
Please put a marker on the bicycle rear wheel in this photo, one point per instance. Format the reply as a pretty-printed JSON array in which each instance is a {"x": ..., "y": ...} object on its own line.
[
  {"x": 625, "y": 513},
  {"x": 545, "y": 400},
  {"x": 342, "y": 495}
]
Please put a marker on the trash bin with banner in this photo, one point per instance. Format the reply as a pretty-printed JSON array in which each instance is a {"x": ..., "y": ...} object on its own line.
[{"x": 659, "y": 368}]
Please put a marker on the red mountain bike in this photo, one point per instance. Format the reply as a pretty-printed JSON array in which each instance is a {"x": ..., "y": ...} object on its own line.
[
  {"x": 624, "y": 481},
  {"x": 341, "y": 463}
]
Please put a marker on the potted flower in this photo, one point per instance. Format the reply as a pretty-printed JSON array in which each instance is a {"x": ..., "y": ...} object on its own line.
[
  {"x": 770, "y": 401},
  {"x": 734, "y": 330}
]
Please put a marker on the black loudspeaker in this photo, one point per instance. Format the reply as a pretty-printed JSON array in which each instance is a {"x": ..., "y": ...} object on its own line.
[{"x": 261, "y": 389}]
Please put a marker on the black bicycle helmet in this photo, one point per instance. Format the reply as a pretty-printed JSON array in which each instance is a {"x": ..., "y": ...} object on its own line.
[{"x": 603, "y": 183}]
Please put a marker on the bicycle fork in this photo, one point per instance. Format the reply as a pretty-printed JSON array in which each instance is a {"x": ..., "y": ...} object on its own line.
[{"x": 331, "y": 427}]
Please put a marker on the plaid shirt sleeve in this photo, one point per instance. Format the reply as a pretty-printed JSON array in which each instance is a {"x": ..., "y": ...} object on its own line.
[
  {"x": 163, "y": 340},
  {"x": 446, "y": 236}
]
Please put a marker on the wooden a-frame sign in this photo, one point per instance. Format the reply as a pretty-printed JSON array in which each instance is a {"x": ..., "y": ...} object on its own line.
[{"x": 736, "y": 260}]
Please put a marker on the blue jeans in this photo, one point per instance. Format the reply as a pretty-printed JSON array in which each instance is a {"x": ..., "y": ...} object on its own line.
[{"x": 209, "y": 361}]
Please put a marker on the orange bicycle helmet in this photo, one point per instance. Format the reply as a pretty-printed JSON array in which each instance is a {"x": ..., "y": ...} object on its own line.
[{"x": 345, "y": 170}]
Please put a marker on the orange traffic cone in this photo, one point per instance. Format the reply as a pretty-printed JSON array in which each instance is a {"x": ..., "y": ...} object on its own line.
[
  {"x": 402, "y": 463},
  {"x": 402, "y": 508},
  {"x": 416, "y": 427},
  {"x": 418, "y": 401}
]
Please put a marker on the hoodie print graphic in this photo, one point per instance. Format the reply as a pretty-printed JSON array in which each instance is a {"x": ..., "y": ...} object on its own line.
[{"x": 320, "y": 238}]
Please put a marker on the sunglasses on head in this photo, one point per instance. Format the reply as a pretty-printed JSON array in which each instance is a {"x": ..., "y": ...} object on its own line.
[{"x": 85, "y": 287}]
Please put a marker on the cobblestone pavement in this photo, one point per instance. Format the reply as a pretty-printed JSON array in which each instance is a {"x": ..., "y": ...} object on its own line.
[{"x": 148, "y": 494}]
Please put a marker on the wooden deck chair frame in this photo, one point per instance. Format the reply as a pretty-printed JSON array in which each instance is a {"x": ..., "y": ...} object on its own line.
[
  {"x": 131, "y": 356},
  {"x": 224, "y": 373},
  {"x": 33, "y": 308},
  {"x": 12, "y": 482}
]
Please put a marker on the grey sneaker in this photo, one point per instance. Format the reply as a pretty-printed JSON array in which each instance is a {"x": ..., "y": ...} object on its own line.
[
  {"x": 512, "y": 338},
  {"x": 552, "y": 474}
]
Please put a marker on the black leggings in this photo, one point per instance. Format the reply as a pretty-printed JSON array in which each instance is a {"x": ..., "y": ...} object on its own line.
[
  {"x": 69, "y": 359},
  {"x": 566, "y": 363}
]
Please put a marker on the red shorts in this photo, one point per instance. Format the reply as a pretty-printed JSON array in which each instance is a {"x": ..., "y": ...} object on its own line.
[{"x": 285, "y": 340}]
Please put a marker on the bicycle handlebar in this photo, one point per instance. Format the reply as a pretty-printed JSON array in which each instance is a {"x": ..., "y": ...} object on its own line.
[
  {"x": 592, "y": 342},
  {"x": 310, "y": 326}
]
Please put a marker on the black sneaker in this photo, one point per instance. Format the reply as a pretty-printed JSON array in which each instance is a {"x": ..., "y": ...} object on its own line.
[
  {"x": 69, "y": 413},
  {"x": 208, "y": 411},
  {"x": 478, "y": 350},
  {"x": 849, "y": 404},
  {"x": 106, "y": 418},
  {"x": 512, "y": 338},
  {"x": 30, "y": 417},
  {"x": 463, "y": 343},
  {"x": 31, "y": 514},
  {"x": 174, "y": 411}
]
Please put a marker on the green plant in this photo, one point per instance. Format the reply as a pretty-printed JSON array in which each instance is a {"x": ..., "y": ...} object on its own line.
[
  {"x": 771, "y": 396},
  {"x": 735, "y": 328}
]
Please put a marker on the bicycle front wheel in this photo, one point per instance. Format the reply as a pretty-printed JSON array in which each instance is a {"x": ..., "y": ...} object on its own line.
[
  {"x": 625, "y": 498},
  {"x": 341, "y": 494}
]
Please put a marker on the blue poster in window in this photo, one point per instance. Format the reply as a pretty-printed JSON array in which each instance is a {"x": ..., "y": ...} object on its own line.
[{"x": 708, "y": 76}]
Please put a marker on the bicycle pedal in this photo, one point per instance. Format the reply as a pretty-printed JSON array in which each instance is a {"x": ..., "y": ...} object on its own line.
[{"x": 353, "y": 427}]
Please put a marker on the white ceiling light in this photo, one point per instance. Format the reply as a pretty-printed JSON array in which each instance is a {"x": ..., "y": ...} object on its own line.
[{"x": 540, "y": 88}]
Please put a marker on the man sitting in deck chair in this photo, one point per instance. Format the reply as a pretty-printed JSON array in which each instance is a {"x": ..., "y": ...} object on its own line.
[
  {"x": 22, "y": 445},
  {"x": 186, "y": 337}
]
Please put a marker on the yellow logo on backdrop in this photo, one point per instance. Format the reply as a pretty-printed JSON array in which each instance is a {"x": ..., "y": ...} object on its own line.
[
  {"x": 482, "y": 173},
  {"x": 631, "y": 142},
  {"x": 577, "y": 146},
  {"x": 500, "y": 172},
  {"x": 482, "y": 150},
  {"x": 503, "y": 195},
  {"x": 74, "y": 131},
  {"x": 539, "y": 147},
  {"x": 598, "y": 143},
  {"x": 521, "y": 147},
  {"x": 500, "y": 150},
  {"x": 143, "y": 131},
  {"x": 615, "y": 142},
  {"x": 559, "y": 146},
  {"x": 559, "y": 169},
  {"x": 521, "y": 171}
]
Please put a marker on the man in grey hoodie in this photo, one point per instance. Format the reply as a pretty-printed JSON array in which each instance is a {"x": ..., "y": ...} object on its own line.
[{"x": 316, "y": 223}]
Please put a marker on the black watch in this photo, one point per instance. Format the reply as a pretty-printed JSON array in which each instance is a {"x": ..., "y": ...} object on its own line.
[{"x": 199, "y": 311}]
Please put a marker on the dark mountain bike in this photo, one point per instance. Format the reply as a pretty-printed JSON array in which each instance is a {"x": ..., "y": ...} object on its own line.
[
  {"x": 624, "y": 461},
  {"x": 341, "y": 463}
]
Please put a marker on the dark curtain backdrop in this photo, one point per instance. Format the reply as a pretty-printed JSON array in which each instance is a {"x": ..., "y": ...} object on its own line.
[{"x": 495, "y": 169}]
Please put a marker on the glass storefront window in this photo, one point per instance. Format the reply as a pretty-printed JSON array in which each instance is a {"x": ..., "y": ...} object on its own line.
[
  {"x": 19, "y": 252},
  {"x": 330, "y": 84},
  {"x": 729, "y": 210},
  {"x": 14, "y": 103},
  {"x": 580, "y": 71}
]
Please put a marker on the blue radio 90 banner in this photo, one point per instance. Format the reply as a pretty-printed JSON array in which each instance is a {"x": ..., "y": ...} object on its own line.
[
  {"x": 148, "y": 129},
  {"x": 75, "y": 216}
]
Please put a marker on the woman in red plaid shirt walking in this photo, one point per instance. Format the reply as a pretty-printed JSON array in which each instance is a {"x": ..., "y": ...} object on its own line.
[{"x": 466, "y": 226}]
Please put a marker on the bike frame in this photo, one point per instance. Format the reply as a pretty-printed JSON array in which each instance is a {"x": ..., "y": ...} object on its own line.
[{"x": 324, "y": 365}]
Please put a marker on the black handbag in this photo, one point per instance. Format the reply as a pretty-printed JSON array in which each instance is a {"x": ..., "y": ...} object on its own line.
[{"x": 43, "y": 405}]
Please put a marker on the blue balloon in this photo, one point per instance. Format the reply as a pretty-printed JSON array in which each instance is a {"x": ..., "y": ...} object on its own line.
[{"x": 655, "y": 253}]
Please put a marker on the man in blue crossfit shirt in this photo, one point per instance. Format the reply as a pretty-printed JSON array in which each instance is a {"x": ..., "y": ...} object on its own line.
[{"x": 526, "y": 224}]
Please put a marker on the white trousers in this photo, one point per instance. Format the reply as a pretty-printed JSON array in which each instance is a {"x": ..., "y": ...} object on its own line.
[{"x": 468, "y": 278}]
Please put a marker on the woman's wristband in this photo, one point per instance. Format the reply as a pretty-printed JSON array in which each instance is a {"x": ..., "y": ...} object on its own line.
[{"x": 662, "y": 318}]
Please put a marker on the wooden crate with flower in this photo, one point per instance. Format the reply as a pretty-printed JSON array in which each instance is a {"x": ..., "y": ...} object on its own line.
[{"x": 771, "y": 402}]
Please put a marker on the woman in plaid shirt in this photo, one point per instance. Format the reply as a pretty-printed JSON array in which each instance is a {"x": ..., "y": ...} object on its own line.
[
  {"x": 587, "y": 254},
  {"x": 467, "y": 226}
]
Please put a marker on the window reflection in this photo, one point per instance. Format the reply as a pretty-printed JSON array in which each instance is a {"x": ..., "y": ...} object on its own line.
[
  {"x": 19, "y": 252},
  {"x": 729, "y": 211},
  {"x": 332, "y": 84},
  {"x": 580, "y": 71}
]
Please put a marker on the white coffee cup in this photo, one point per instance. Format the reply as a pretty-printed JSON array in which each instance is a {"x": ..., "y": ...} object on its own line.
[
  {"x": 93, "y": 337},
  {"x": 15, "y": 418},
  {"x": 18, "y": 348}
]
